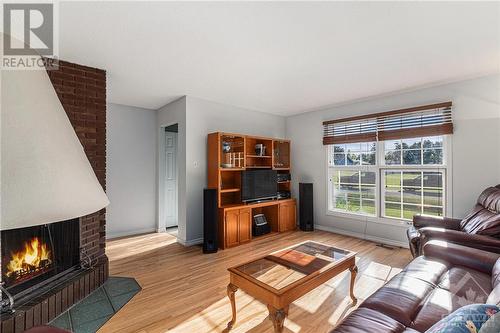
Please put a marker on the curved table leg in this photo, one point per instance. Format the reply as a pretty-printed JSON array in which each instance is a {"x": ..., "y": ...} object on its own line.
[
  {"x": 277, "y": 316},
  {"x": 231, "y": 289},
  {"x": 354, "y": 272}
]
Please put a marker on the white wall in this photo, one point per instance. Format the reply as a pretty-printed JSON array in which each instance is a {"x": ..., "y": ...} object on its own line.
[
  {"x": 475, "y": 148},
  {"x": 131, "y": 170}
]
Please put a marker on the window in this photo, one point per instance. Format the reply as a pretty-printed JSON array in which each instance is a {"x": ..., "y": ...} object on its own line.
[
  {"x": 411, "y": 173},
  {"x": 353, "y": 177},
  {"x": 354, "y": 154},
  {"x": 407, "y": 193},
  {"x": 416, "y": 151},
  {"x": 389, "y": 165},
  {"x": 354, "y": 191}
]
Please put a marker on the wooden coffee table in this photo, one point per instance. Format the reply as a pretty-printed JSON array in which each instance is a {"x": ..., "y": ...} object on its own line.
[{"x": 283, "y": 276}]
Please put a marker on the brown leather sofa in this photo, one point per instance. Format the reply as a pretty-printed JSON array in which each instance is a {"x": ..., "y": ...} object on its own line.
[
  {"x": 429, "y": 288},
  {"x": 480, "y": 229}
]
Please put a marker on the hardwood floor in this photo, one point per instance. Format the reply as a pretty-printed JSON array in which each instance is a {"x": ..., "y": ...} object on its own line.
[{"x": 185, "y": 291}]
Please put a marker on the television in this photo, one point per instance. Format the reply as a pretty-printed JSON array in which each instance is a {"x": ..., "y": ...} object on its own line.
[{"x": 258, "y": 185}]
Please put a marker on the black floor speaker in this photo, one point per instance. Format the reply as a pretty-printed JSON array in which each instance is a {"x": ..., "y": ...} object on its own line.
[
  {"x": 306, "y": 209},
  {"x": 210, "y": 217}
]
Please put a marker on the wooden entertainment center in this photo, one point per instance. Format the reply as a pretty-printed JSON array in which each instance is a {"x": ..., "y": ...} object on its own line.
[{"x": 230, "y": 154}]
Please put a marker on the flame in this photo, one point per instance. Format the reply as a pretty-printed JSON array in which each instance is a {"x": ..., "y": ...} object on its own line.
[{"x": 34, "y": 255}]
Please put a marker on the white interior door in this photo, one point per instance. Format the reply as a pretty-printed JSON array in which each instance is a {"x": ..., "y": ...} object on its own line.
[{"x": 171, "y": 193}]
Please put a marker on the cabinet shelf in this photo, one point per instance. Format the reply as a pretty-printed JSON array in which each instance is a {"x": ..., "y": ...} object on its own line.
[
  {"x": 258, "y": 156},
  {"x": 229, "y": 190},
  {"x": 231, "y": 169},
  {"x": 259, "y": 167}
]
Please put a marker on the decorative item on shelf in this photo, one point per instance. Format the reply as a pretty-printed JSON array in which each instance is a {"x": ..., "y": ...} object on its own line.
[
  {"x": 226, "y": 147},
  {"x": 238, "y": 160},
  {"x": 233, "y": 160},
  {"x": 227, "y": 159},
  {"x": 260, "y": 149}
]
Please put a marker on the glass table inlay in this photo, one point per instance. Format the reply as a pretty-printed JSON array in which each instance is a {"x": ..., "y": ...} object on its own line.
[{"x": 287, "y": 266}]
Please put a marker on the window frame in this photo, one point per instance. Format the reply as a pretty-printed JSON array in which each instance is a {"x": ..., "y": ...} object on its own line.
[
  {"x": 331, "y": 184},
  {"x": 382, "y": 190},
  {"x": 379, "y": 168}
]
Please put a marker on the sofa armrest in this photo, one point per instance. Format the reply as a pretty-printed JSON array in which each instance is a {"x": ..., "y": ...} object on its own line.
[
  {"x": 459, "y": 255},
  {"x": 480, "y": 242},
  {"x": 422, "y": 221}
]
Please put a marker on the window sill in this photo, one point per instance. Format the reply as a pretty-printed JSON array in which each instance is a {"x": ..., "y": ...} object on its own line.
[{"x": 369, "y": 218}]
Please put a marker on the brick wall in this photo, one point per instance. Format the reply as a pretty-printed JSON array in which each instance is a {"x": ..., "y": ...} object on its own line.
[{"x": 82, "y": 92}]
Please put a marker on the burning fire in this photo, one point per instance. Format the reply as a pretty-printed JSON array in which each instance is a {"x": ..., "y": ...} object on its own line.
[{"x": 34, "y": 256}]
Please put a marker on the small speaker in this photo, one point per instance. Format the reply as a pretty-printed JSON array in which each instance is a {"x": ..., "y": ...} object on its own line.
[
  {"x": 210, "y": 218},
  {"x": 306, "y": 209}
]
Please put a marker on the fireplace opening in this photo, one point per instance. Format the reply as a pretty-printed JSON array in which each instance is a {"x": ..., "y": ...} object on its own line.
[{"x": 34, "y": 256}]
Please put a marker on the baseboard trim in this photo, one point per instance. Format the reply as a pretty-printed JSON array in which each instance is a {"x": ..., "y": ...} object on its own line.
[
  {"x": 130, "y": 233},
  {"x": 191, "y": 242},
  {"x": 362, "y": 236}
]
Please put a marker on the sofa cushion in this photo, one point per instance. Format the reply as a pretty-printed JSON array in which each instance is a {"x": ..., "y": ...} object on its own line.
[
  {"x": 437, "y": 305},
  {"x": 427, "y": 269},
  {"x": 481, "y": 221},
  {"x": 490, "y": 199},
  {"x": 363, "y": 319},
  {"x": 466, "y": 284},
  {"x": 485, "y": 217},
  {"x": 400, "y": 298},
  {"x": 458, "y": 287}
]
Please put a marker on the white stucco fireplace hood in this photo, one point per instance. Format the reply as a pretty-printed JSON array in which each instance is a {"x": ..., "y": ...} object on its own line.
[{"x": 45, "y": 174}]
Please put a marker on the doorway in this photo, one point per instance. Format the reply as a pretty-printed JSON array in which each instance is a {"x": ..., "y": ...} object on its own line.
[{"x": 171, "y": 181}]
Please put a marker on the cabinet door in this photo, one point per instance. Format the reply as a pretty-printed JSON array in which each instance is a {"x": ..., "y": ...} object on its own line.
[
  {"x": 292, "y": 216},
  {"x": 245, "y": 225},
  {"x": 231, "y": 220},
  {"x": 286, "y": 216},
  {"x": 283, "y": 217}
]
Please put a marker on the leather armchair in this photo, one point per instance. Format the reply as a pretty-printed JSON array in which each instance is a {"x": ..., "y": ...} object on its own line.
[{"x": 480, "y": 229}]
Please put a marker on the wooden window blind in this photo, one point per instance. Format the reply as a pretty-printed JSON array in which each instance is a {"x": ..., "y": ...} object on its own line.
[{"x": 426, "y": 120}]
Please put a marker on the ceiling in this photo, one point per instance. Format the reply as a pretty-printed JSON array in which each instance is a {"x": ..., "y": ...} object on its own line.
[{"x": 278, "y": 57}]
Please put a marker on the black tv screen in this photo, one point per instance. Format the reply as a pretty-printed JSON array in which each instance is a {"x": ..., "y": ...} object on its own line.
[{"x": 258, "y": 185}]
